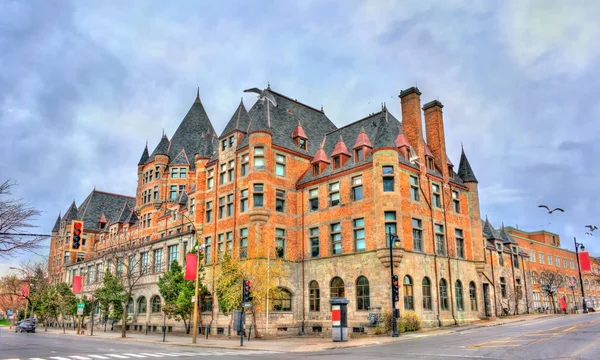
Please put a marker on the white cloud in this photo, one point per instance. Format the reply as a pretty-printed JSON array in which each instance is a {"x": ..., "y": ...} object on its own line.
[{"x": 499, "y": 194}]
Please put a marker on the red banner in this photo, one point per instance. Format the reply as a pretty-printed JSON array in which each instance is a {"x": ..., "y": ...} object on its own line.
[
  {"x": 190, "y": 266},
  {"x": 76, "y": 284},
  {"x": 24, "y": 291},
  {"x": 584, "y": 261}
]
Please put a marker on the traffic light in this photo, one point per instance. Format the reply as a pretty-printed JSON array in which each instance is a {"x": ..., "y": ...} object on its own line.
[
  {"x": 247, "y": 294},
  {"x": 395, "y": 293},
  {"x": 77, "y": 231}
]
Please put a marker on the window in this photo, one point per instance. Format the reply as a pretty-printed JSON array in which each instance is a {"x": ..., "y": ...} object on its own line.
[
  {"x": 206, "y": 303},
  {"x": 141, "y": 305},
  {"x": 362, "y": 294},
  {"x": 90, "y": 274},
  {"x": 460, "y": 304},
  {"x": 503, "y": 287},
  {"x": 156, "y": 304},
  {"x": 207, "y": 249},
  {"x": 315, "y": 169},
  {"x": 244, "y": 167},
  {"x": 156, "y": 193},
  {"x": 229, "y": 243},
  {"x": 174, "y": 173},
  {"x": 334, "y": 194},
  {"x": 572, "y": 263},
  {"x": 192, "y": 206},
  {"x": 221, "y": 207},
  {"x": 500, "y": 256},
  {"x": 456, "y": 201},
  {"x": 460, "y": 243},
  {"x": 557, "y": 261},
  {"x": 280, "y": 243},
  {"x": 357, "y": 189},
  {"x": 173, "y": 192},
  {"x": 244, "y": 200},
  {"x": 515, "y": 258},
  {"x": 520, "y": 290},
  {"x": 144, "y": 261},
  {"x": 302, "y": 143},
  {"x": 230, "y": 170},
  {"x": 222, "y": 174},
  {"x": 443, "y": 295},
  {"x": 314, "y": 242},
  {"x": 359, "y": 154},
  {"x": 282, "y": 300},
  {"x": 210, "y": 179},
  {"x": 408, "y": 293},
  {"x": 414, "y": 188},
  {"x": 437, "y": 198},
  {"x": 313, "y": 199},
  {"x": 230, "y": 205},
  {"x": 314, "y": 296},
  {"x": 130, "y": 306},
  {"x": 541, "y": 258},
  {"x": 209, "y": 211},
  {"x": 359, "y": 234},
  {"x": 426, "y": 288},
  {"x": 158, "y": 259},
  {"x": 280, "y": 200},
  {"x": 388, "y": 178},
  {"x": 183, "y": 173},
  {"x": 173, "y": 254},
  {"x": 550, "y": 260},
  {"x": 220, "y": 248},
  {"x": 243, "y": 243},
  {"x": 440, "y": 241},
  {"x": 390, "y": 225},
  {"x": 336, "y": 238},
  {"x": 337, "y": 287},
  {"x": 279, "y": 165},
  {"x": 417, "y": 233},
  {"x": 157, "y": 171},
  {"x": 565, "y": 264},
  {"x": 258, "y": 195},
  {"x": 259, "y": 158},
  {"x": 473, "y": 296},
  {"x": 532, "y": 256},
  {"x": 231, "y": 141},
  {"x": 223, "y": 144}
]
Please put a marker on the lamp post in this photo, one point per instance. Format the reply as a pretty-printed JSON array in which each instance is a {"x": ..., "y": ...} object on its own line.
[
  {"x": 393, "y": 240},
  {"x": 577, "y": 247}
]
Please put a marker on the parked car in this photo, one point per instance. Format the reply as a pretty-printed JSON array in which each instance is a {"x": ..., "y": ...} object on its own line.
[{"x": 26, "y": 325}]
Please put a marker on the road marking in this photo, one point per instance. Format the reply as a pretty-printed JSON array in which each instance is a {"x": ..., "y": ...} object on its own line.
[
  {"x": 36, "y": 359},
  {"x": 135, "y": 355},
  {"x": 569, "y": 329},
  {"x": 449, "y": 355},
  {"x": 80, "y": 357},
  {"x": 148, "y": 354},
  {"x": 164, "y": 354},
  {"x": 59, "y": 358},
  {"x": 118, "y": 356},
  {"x": 98, "y": 356}
]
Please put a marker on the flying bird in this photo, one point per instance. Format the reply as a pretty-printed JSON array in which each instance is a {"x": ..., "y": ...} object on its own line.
[
  {"x": 589, "y": 233},
  {"x": 592, "y": 227},
  {"x": 550, "y": 211},
  {"x": 263, "y": 94}
]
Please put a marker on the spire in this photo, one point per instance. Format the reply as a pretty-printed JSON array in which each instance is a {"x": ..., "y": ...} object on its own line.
[
  {"x": 71, "y": 213},
  {"x": 323, "y": 111},
  {"x": 464, "y": 169},
  {"x": 340, "y": 148},
  {"x": 198, "y": 97},
  {"x": 145, "y": 156},
  {"x": 385, "y": 137},
  {"x": 56, "y": 227},
  {"x": 401, "y": 139},
  {"x": 299, "y": 132},
  {"x": 362, "y": 139},
  {"x": 239, "y": 120},
  {"x": 162, "y": 147}
]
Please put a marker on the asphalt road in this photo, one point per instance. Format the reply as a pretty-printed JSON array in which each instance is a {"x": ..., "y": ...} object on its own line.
[{"x": 565, "y": 337}]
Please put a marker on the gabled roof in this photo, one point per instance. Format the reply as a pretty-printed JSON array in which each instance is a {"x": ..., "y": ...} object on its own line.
[
  {"x": 340, "y": 148},
  {"x": 99, "y": 203},
  {"x": 180, "y": 159},
  {"x": 56, "y": 227},
  {"x": 239, "y": 120},
  {"x": 464, "y": 169},
  {"x": 145, "y": 156},
  {"x": 299, "y": 132},
  {"x": 162, "y": 147},
  {"x": 320, "y": 155},
  {"x": 362, "y": 139}
]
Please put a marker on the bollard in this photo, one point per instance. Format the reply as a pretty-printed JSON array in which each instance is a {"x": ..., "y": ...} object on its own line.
[
  {"x": 207, "y": 330},
  {"x": 146, "y": 328},
  {"x": 249, "y": 332},
  {"x": 164, "y": 329}
]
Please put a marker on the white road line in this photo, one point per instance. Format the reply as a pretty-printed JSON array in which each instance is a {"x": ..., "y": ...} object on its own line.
[
  {"x": 135, "y": 355},
  {"x": 80, "y": 357},
  {"x": 148, "y": 354},
  {"x": 449, "y": 355},
  {"x": 59, "y": 358},
  {"x": 165, "y": 354},
  {"x": 36, "y": 359},
  {"x": 118, "y": 356},
  {"x": 98, "y": 356}
]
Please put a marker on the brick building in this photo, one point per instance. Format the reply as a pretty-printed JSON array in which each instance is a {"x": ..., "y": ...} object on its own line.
[{"x": 322, "y": 198}]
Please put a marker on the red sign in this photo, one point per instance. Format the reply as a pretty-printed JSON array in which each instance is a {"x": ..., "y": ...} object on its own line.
[
  {"x": 336, "y": 315},
  {"x": 584, "y": 261},
  {"x": 77, "y": 284},
  {"x": 24, "y": 290},
  {"x": 190, "y": 266}
]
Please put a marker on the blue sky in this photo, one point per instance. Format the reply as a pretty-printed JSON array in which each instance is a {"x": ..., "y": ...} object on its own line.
[{"x": 83, "y": 85}]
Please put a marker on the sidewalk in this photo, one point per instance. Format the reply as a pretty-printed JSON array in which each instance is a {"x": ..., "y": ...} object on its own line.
[{"x": 290, "y": 344}]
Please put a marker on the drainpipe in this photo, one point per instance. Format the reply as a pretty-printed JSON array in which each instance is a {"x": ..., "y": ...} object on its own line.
[
  {"x": 525, "y": 282},
  {"x": 512, "y": 266},
  {"x": 453, "y": 309},
  {"x": 303, "y": 261},
  {"x": 493, "y": 283},
  {"x": 436, "y": 285}
]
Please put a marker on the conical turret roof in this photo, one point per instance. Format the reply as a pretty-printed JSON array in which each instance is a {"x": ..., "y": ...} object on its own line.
[
  {"x": 71, "y": 214},
  {"x": 145, "y": 156},
  {"x": 464, "y": 169},
  {"x": 386, "y": 137},
  {"x": 320, "y": 155},
  {"x": 56, "y": 227},
  {"x": 162, "y": 148},
  {"x": 362, "y": 139},
  {"x": 340, "y": 148},
  {"x": 239, "y": 120}
]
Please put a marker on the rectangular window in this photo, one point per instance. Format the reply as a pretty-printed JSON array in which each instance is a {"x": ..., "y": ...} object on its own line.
[
  {"x": 388, "y": 178},
  {"x": 337, "y": 162},
  {"x": 157, "y": 172},
  {"x": 532, "y": 256},
  {"x": 572, "y": 263},
  {"x": 314, "y": 242},
  {"x": 280, "y": 243},
  {"x": 243, "y": 243},
  {"x": 158, "y": 260},
  {"x": 223, "y": 144},
  {"x": 315, "y": 169},
  {"x": 231, "y": 141},
  {"x": 557, "y": 261},
  {"x": 280, "y": 200},
  {"x": 259, "y": 158},
  {"x": 173, "y": 192},
  {"x": 414, "y": 188},
  {"x": 313, "y": 199},
  {"x": 515, "y": 261},
  {"x": 222, "y": 173},
  {"x": 258, "y": 195},
  {"x": 244, "y": 167},
  {"x": 417, "y": 233},
  {"x": 279, "y": 165},
  {"x": 207, "y": 249},
  {"x": 209, "y": 211},
  {"x": 230, "y": 205},
  {"x": 174, "y": 173},
  {"x": 302, "y": 143},
  {"x": 230, "y": 170},
  {"x": 359, "y": 234},
  {"x": 390, "y": 225},
  {"x": 192, "y": 206},
  {"x": 565, "y": 264},
  {"x": 173, "y": 254},
  {"x": 244, "y": 200},
  {"x": 229, "y": 243},
  {"x": 456, "y": 201},
  {"x": 541, "y": 258},
  {"x": 182, "y": 172},
  {"x": 336, "y": 238},
  {"x": 359, "y": 154},
  {"x": 436, "y": 193},
  {"x": 144, "y": 262},
  {"x": 221, "y": 207},
  {"x": 156, "y": 193},
  {"x": 220, "y": 249},
  {"x": 549, "y": 259},
  {"x": 334, "y": 194},
  {"x": 210, "y": 179},
  {"x": 460, "y": 243},
  {"x": 503, "y": 287},
  {"x": 500, "y": 258},
  {"x": 357, "y": 188},
  {"x": 440, "y": 241}
]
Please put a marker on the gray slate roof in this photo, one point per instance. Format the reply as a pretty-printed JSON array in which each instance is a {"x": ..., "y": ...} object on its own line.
[
  {"x": 162, "y": 147},
  {"x": 464, "y": 169},
  {"x": 239, "y": 120},
  {"x": 112, "y": 206},
  {"x": 145, "y": 156},
  {"x": 56, "y": 227},
  {"x": 386, "y": 136},
  {"x": 71, "y": 213},
  {"x": 180, "y": 159}
]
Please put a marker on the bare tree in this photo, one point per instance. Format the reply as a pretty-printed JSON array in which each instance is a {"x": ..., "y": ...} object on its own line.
[
  {"x": 551, "y": 281},
  {"x": 15, "y": 219}
]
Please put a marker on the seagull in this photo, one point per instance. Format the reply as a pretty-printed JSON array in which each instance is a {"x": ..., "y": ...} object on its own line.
[
  {"x": 551, "y": 211},
  {"x": 263, "y": 94},
  {"x": 589, "y": 233},
  {"x": 592, "y": 227}
]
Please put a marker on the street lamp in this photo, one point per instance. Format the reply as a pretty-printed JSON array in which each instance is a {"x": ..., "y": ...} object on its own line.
[
  {"x": 577, "y": 247},
  {"x": 393, "y": 240}
]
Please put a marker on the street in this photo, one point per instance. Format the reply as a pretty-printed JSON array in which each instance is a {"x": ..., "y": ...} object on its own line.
[{"x": 562, "y": 337}]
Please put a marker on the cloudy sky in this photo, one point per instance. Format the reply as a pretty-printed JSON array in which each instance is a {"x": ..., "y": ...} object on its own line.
[{"x": 84, "y": 84}]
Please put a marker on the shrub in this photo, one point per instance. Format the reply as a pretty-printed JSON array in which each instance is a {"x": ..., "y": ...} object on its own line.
[{"x": 410, "y": 322}]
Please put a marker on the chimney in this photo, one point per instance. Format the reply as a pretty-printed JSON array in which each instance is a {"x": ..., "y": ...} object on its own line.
[
  {"x": 434, "y": 128},
  {"x": 410, "y": 100}
]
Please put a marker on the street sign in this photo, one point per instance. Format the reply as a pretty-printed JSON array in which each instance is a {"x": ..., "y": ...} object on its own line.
[
  {"x": 79, "y": 311},
  {"x": 80, "y": 306},
  {"x": 8, "y": 312}
]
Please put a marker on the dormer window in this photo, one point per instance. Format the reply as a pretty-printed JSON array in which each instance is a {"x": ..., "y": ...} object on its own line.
[
  {"x": 302, "y": 143},
  {"x": 336, "y": 162},
  {"x": 315, "y": 169},
  {"x": 430, "y": 165},
  {"x": 450, "y": 171},
  {"x": 300, "y": 137},
  {"x": 359, "y": 154}
]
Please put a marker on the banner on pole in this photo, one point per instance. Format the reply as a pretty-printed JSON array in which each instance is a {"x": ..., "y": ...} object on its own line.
[
  {"x": 584, "y": 261},
  {"x": 190, "y": 266},
  {"x": 77, "y": 284}
]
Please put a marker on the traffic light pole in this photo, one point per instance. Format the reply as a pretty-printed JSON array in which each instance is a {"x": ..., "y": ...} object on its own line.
[
  {"x": 242, "y": 314},
  {"x": 394, "y": 322}
]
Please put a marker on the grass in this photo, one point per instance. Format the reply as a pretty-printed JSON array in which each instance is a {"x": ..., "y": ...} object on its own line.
[{"x": 4, "y": 322}]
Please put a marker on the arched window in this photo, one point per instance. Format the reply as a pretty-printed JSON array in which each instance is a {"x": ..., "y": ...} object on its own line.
[
  {"x": 156, "y": 304},
  {"x": 443, "y": 294},
  {"x": 473, "y": 296},
  {"x": 130, "y": 306},
  {"x": 534, "y": 277},
  {"x": 408, "y": 293},
  {"x": 586, "y": 284},
  {"x": 281, "y": 300},
  {"x": 460, "y": 304},
  {"x": 96, "y": 308},
  {"x": 314, "y": 296},
  {"x": 142, "y": 305},
  {"x": 426, "y": 288},
  {"x": 337, "y": 287},
  {"x": 362, "y": 293}
]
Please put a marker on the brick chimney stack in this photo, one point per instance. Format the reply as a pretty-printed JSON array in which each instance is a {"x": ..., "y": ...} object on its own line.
[
  {"x": 434, "y": 128},
  {"x": 410, "y": 101}
]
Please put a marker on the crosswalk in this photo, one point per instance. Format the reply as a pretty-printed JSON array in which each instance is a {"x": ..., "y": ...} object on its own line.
[{"x": 137, "y": 356}]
